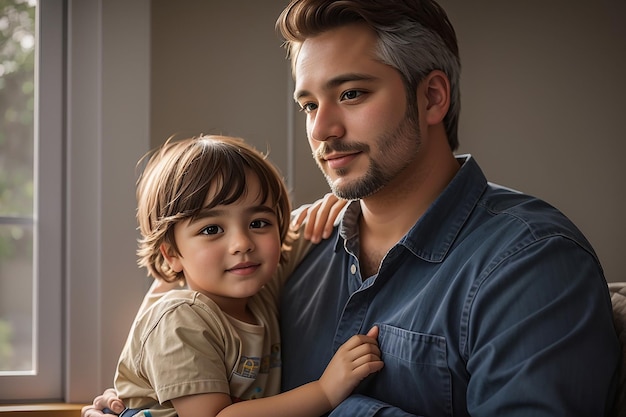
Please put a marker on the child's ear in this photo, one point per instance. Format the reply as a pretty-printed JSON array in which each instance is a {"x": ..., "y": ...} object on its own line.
[
  {"x": 437, "y": 91},
  {"x": 171, "y": 257}
]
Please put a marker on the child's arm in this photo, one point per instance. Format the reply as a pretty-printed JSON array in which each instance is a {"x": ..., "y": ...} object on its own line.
[{"x": 355, "y": 359}]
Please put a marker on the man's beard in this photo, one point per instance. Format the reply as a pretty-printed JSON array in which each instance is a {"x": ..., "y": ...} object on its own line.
[{"x": 403, "y": 143}]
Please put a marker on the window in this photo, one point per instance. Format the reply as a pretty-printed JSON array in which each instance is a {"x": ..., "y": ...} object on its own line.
[{"x": 30, "y": 199}]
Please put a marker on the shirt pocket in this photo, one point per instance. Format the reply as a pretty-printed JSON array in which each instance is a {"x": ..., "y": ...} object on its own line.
[{"x": 415, "y": 377}]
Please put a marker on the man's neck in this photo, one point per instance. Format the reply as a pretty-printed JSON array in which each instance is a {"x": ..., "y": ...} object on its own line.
[{"x": 391, "y": 212}]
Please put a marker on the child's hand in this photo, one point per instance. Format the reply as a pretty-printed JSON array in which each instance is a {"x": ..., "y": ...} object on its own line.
[
  {"x": 320, "y": 217},
  {"x": 355, "y": 360},
  {"x": 103, "y": 405}
]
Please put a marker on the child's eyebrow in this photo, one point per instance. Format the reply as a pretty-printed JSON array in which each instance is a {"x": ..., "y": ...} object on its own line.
[
  {"x": 261, "y": 209},
  {"x": 223, "y": 211}
]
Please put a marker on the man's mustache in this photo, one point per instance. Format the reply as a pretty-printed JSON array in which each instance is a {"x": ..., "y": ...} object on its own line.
[{"x": 330, "y": 147}]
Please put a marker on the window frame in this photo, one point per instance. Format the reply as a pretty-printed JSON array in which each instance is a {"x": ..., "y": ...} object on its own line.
[{"x": 47, "y": 271}]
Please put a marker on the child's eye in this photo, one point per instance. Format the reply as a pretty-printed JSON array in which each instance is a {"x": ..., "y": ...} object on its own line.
[
  {"x": 351, "y": 94},
  {"x": 308, "y": 107},
  {"x": 211, "y": 230},
  {"x": 258, "y": 224}
]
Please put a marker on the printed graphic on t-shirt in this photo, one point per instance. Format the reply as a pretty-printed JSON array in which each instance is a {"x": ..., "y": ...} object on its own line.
[{"x": 248, "y": 367}]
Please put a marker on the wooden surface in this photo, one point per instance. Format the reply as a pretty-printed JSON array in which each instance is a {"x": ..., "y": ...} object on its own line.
[{"x": 40, "y": 410}]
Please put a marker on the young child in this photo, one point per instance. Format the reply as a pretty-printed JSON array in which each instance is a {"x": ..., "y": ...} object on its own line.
[{"x": 215, "y": 215}]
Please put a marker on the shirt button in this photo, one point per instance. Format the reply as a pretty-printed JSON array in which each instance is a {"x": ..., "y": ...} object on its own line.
[{"x": 353, "y": 269}]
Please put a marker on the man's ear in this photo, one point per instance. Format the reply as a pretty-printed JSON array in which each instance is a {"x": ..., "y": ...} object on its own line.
[
  {"x": 437, "y": 93},
  {"x": 171, "y": 257}
]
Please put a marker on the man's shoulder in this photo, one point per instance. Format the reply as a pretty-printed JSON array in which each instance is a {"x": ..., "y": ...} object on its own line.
[{"x": 513, "y": 210}]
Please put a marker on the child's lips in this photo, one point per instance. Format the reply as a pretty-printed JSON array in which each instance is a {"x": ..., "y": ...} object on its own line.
[{"x": 244, "y": 268}]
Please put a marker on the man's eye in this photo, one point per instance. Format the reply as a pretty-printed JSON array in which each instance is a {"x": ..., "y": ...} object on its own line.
[
  {"x": 258, "y": 224},
  {"x": 308, "y": 107},
  {"x": 211, "y": 230},
  {"x": 351, "y": 94}
]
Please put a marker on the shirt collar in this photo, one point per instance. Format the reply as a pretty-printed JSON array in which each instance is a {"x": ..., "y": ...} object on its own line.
[{"x": 435, "y": 232}]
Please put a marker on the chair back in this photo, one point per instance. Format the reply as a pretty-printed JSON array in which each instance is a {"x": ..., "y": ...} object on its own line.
[{"x": 618, "y": 299}]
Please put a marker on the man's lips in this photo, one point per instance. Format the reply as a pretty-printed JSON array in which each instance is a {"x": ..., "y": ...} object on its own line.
[
  {"x": 244, "y": 268},
  {"x": 337, "y": 161}
]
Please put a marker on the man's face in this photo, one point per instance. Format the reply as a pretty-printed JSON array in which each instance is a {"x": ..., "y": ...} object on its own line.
[{"x": 358, "y": 126}]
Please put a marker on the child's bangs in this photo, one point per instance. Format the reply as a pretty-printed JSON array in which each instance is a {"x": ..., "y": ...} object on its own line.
[
  {"x": 224, "y": 177},
  {"x": 228, "y": 185}
]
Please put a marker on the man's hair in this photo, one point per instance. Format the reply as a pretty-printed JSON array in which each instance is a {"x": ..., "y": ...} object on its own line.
[
  {"x": 176, "y": 180},
  {"x": 414, "y": 36}
]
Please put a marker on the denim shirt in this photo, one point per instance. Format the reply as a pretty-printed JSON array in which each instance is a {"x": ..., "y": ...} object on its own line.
[{"x": 493, "y": 304}]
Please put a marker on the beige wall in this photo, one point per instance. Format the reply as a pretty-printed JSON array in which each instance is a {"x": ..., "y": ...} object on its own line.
[{"x": 543, "y": 92}]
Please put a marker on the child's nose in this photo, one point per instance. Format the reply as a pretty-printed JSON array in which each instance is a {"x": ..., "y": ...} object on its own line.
[{"x": 242, "y": 243}]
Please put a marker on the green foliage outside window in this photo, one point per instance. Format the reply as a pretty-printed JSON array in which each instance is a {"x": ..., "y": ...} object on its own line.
[{"x": 17, "y": 104}]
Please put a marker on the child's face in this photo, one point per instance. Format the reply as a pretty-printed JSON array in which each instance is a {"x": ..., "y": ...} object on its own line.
[{"x": 231, "y": 251}]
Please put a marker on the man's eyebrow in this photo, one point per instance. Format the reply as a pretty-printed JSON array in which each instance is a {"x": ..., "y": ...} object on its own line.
[{"x": 335, "y": 82}]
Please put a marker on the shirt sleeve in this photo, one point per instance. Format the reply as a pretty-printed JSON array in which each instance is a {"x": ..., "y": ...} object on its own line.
[
  {"x": 539, "y": 338},
  {"x": 183, "y": 354},
  {"x": 360, "y": 405}
]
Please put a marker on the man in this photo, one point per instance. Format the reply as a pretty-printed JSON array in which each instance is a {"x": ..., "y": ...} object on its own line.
[{"x": 488, "y": 302}]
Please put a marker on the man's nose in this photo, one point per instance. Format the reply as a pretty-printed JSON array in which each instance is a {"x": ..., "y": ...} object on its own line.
[{"x": 326, "y": 123}]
